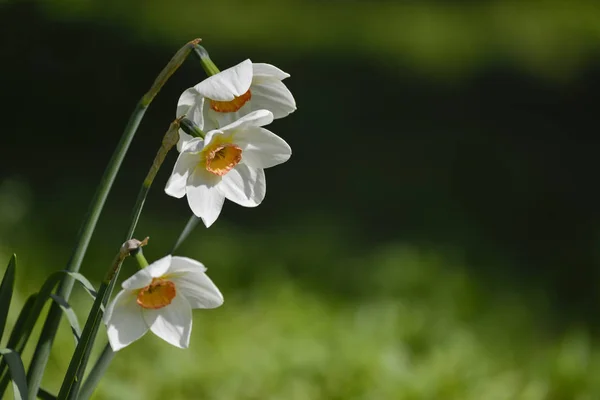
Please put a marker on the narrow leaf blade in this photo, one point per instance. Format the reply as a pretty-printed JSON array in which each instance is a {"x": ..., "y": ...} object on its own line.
[
  {"x": 45, "y": 395},
  {"x": 70, "y": 386},
  {"x": 189, "y": 227},
  {"x": 30, "y": 314},
  {"x": 18, "y": 326},
  {"x": 89, "y": 288},
  {"x": 6, "y": 291},
  {"x": 20, "y": 336},
  {"x": 17, "y": 373},
  {"x": 70, "y": 314}
]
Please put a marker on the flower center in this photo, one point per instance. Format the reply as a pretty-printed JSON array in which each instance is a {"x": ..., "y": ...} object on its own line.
[
  {"x": 157, "y": 294},
  {"x": 222, "y": 158},
  {"x": 231, "y": 106}
]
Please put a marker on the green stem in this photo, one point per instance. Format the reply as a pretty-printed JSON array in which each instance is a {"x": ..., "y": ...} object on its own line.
[
  {"x": 209, "y": 67},
  {"x": 70, "y": 387},
  {"x": 44, "y": 345},
  {"x": 96, "y": 373},
  {"x": 72, "y": 379},
  {"x": 139, "y": 257},
  {"x": 103, "y": 362},
  {"x": 42, "y": 350}
]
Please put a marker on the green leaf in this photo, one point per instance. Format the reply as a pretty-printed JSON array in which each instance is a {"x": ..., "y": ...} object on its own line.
[
  {"x": 45, "y": 395},
  {"x": 89, "y": 288},
  {"x": 31, "y": 312},
  {"x": 189, "y": 227},
  {"x": 16, "y": 328},
  {"x": 19, "y": 338},
  {"x": 70, "y": 314},
  {"x": 27, "y": 307},
  {"x": 17, "y": 373},
  {"x": 6, "y": 291},
  {"x": 74, "y": 375}
]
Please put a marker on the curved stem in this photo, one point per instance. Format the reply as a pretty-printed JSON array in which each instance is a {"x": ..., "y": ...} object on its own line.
[
  {"x": 77, "y": 366},
  {"x": 139, "y": 257},
  {"x": 209, "y": 66},
  {"x": 42, "y": 350}
]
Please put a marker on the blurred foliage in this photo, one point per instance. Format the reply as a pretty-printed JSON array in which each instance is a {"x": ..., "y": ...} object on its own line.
[
  {"x": 412, "y": 329},
  {"x": 545, "y": 37}
]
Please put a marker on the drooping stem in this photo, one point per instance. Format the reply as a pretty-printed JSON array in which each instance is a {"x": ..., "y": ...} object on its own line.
[
  {"x": 44, "y": 345},
  {"x": 70, "y": 387},
  {"x": 105, "y": 358},
  {"x": 141, "y": 260},
  {"x": 209, "y": 66},
  {"x": 42, "y": 350}
]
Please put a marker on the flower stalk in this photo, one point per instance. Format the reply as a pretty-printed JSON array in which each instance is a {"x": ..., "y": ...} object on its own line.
[
  {"x": 139, "y": 257},
  {"x": 209, "y": 66},
  {"x": 77, "y": 366},
  {"x": 97, "y": 372},
  {"x": 224, "y": 150},
  {"x": 42, "y": 350},
  {"x": 70, "y": 384}
]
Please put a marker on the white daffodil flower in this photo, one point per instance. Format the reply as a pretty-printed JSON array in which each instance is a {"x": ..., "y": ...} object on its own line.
[
  {"x": 225, "y": 97},
  {"x": 160, "y": 297},
  {"x": 227, "y": 163}
]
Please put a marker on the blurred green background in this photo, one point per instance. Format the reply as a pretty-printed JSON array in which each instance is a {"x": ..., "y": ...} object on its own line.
[{"x": 434, "y": 236}]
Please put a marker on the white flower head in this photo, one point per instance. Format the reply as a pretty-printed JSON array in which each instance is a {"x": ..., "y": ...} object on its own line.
[
  {"x": 227, "y": 96},
  {"x": 227, "y": 163},
  {"x": 160, "y": 298}
]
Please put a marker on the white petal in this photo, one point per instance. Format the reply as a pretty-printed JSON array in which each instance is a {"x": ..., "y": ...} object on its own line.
[
  {"x": 144, "y": 276},
  {"x": 159, "y": 267},
  {"x": 124, "y": 321},
  {"x": 204, "y": 199},
  {"x": 237, "y": 120},
  {"x": 244, "y": 185},
  {"x": 255, "y": 118},
  {"x": 261, "y": 70},
  {"x": 111, "y": 305},
  {"x": 191, "y": 281},
  {"x": 214, "y": 120},
  {"x": 172, "y": 323},
  {"x": 199, "y": 290},
  {"x": 185, "y": 264},
  {"x": 185, "y": 164},
  {"x": 211, "y": 135},
  {"x": 262, "y": 148},
  {"x": 187, "y": 101},
  {"x": 191, "y": 104},
  {"x": 184, "y": 138},
  {"x": 138, "y": 280},
  {"x": 227, "y": 84},
  {"x": 274, "y": 96},
  {"x": 195, "y": 145}
]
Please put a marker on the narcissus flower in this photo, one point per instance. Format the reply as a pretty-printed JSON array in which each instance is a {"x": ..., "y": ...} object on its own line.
[
  {"x": 227, "y": 163},
  {"x": 160, "y": 297},
  {"x": 225, "y": 97}
]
